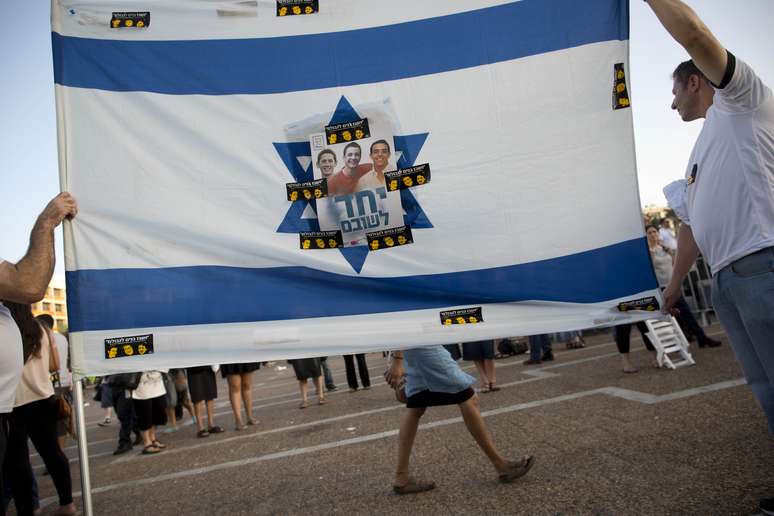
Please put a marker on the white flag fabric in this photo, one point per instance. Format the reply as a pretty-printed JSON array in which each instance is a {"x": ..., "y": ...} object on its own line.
[{"x": 226, "y": 216}]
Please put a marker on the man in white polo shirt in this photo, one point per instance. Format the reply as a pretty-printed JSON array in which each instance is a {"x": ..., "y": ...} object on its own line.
[
  {"x": 26, "y": 282},
  {"x": 726, "y": 200}
]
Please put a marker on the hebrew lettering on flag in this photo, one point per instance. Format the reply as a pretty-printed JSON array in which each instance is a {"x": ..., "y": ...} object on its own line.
[{"x": 279, "y": 179}]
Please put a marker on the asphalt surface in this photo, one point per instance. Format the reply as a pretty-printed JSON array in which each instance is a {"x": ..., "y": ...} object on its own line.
[{"x": 690, "y": 441}]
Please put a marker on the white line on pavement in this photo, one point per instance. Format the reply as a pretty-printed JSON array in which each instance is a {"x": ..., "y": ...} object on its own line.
[{"x": 625, "y": 394}]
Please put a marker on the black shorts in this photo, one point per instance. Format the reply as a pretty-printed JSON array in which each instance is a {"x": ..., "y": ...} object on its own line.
[
  {"x": 427, "y": 398},
  {"x": 152, "y": 412}
]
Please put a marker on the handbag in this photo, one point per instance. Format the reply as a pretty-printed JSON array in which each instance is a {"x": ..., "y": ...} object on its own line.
[
  {"x": 126, "y": 380},
  {"x": 63, "y": 406},
  {"x": 400, "y": 385},
  {"x": 400, "y": 390}
]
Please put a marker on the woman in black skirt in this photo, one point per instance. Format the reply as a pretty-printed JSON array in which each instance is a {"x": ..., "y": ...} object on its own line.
[
  {"x": 432, "y": 378},
  {"x": 306, "y": 368},
  {"x": 203, "y": 389},
  {"x": 240, "y": 384}
]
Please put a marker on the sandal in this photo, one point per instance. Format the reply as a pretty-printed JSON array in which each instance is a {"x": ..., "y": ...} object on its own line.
[
  {"x": 215, "y": 429},
  {"x": 322, "y": 401},
  {"x": 240, "y": 427},
  {"x": 159, "y": 445},
  {"x": 202, "y": 433},
  {"x": 630, "y": 371},
  {"x": 151, "y": 449},
  {"x": 516, "y": 470},
  {"x": 303, "y": 404},
  {"x": 252, "y": 422},
  {"x": 414, "y": 486},
  {"x": 493, "y": 387}
]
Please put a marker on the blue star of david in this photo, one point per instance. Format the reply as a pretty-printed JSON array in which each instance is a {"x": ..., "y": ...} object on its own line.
[{"x": 295, "y": 222}]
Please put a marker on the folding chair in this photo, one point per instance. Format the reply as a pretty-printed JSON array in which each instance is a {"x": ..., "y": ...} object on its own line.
[{"x": 668, "y": 339}]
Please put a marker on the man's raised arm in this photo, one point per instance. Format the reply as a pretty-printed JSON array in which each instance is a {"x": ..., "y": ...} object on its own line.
[
  {"x": 690, "y": 32},
  {"x": 26, "y": 281}
]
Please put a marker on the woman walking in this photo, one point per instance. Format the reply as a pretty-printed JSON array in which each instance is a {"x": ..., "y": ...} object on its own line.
[
  {"x": 433, "y": 378},
  {"x": 34, "y": 417}
]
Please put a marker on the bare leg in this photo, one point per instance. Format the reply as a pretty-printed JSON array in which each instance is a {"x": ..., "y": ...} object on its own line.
[
  {"x": 199, "y": 414},
  {"x": 211, "y": 413},
  {"x": 147, "y": 440},
  {"x": 475, "y": 424},
  {"x": 626, "y": 364},
  {"x": 171, "y": 417},
  {"x": 171, "y": 420},
  {"x": 655, "y": 359},
  {"x": 406, "y": 435},
  {"x": 304, "y": 393},
  {"x": 489, "y": 369},
  {"x": 318, "y": 387},
  {"x": 247, "y": 396},
  {"x": 189, "y": 407},
  {"x": 235, "y": 396},
  {"x": 482, "y": 377}
]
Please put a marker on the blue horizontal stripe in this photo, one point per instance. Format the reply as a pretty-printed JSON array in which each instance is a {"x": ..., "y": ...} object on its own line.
[
  {"x": 306, "y": 62},
  {"x": 137, "y": 298}
]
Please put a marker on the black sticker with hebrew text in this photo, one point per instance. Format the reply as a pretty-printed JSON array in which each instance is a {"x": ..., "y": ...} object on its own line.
[
  {"x": 307, "y": 190},
  {"x": 649, "y": 304},
  {"x": 297, "y": 7},
  {"x": 407, "y": 177},
  {"x": 130, "y": 20},
  {"x": 462, "y": 316},
  {"x": 620, "y": 92},
  {"x": 136, "y": 345},
  {"x": 321, "y": 240},
  {"x": 387, "y": 238},
  {"x": 347, "y": 131}
]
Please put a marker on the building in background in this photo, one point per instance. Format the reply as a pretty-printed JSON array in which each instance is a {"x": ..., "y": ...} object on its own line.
[{"x": 54, "y": 304}]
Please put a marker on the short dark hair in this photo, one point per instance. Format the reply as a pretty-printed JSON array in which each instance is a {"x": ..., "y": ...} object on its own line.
[
  {"x": 326, "y": 151},
  {"x": 685, "y": 69},
  {"x": 47, "y": 320},
  {"x": 371, "y": 151},
  {"x": 650, "y": 226},
  {"x": 352, "y": 144}
]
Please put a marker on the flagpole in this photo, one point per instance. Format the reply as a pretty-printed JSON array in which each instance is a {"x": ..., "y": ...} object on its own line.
[{"x": 83, "y": 451}]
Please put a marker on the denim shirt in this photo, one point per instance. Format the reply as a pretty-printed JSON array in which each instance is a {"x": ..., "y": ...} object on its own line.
[{"x": 432, "y": 368}]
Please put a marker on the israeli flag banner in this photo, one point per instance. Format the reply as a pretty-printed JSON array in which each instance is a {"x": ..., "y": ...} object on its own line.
[{"x": 279, "y": 179}]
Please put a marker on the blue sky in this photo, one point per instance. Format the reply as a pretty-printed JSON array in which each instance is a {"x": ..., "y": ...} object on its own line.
[{"x": 28, "y": 152}]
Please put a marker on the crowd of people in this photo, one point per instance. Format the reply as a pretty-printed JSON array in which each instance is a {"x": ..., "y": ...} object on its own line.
[{"x": 725, "y": 203}]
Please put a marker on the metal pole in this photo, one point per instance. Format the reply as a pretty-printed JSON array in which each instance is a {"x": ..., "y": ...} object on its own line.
[{"x": 83, "y": 451}]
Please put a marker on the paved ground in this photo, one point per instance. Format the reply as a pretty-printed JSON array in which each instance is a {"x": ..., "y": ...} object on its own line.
[{"x": 691, "y": 441}]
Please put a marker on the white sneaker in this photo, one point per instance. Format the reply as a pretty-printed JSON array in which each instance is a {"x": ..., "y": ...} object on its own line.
[{"x": 105, "y": 422}]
